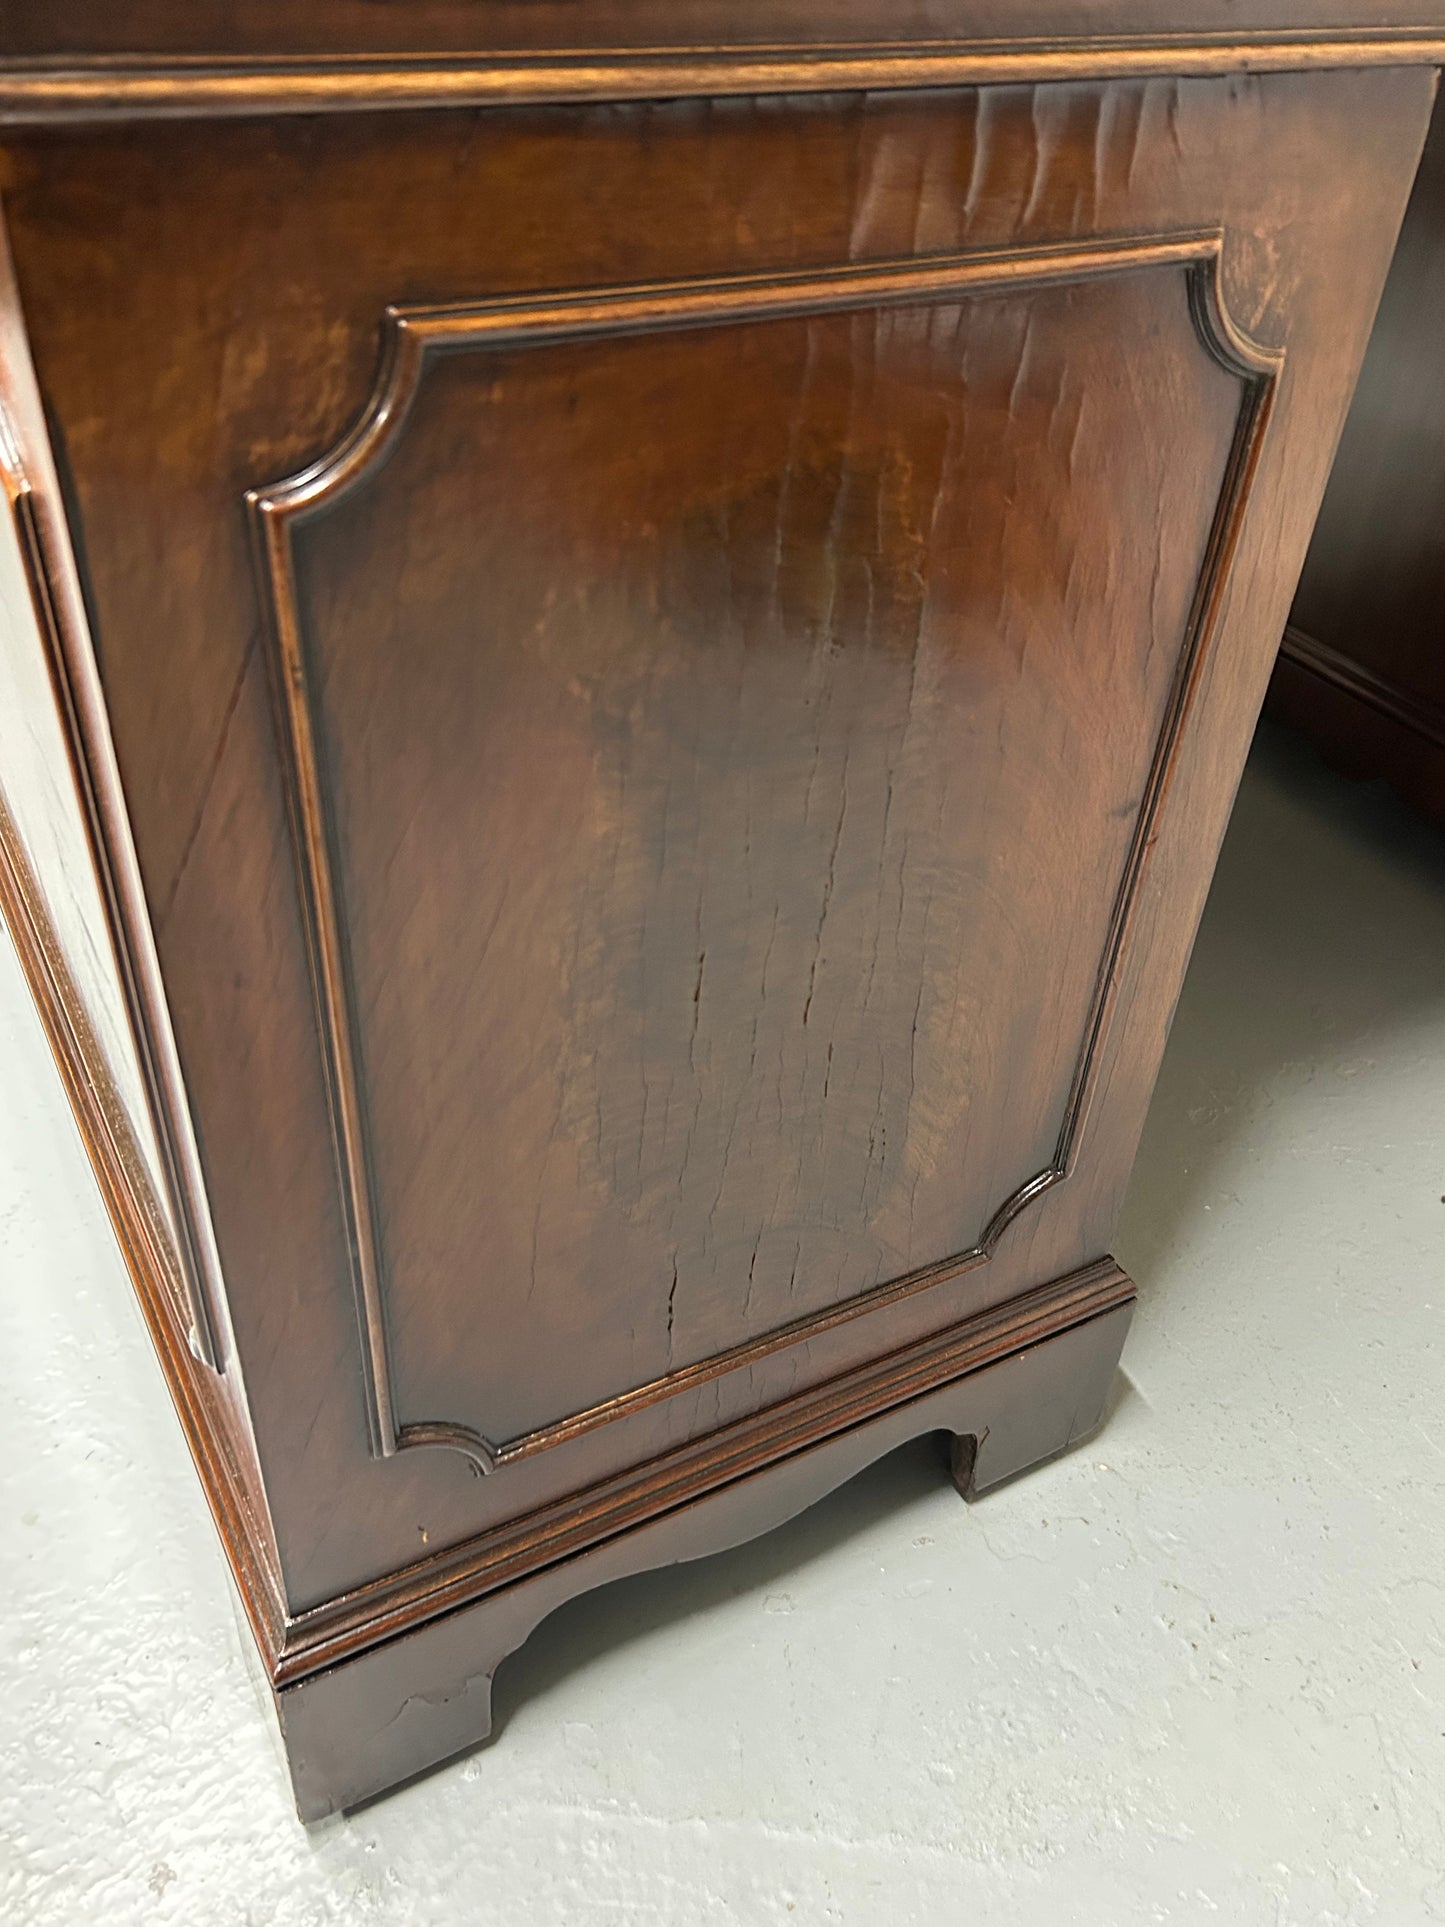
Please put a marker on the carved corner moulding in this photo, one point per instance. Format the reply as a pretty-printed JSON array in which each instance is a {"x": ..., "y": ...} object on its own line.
[
  {"x": 181, "y": 1253},
  {"x": 410, "y": 337},
  {"x": 129, "y": 87}
]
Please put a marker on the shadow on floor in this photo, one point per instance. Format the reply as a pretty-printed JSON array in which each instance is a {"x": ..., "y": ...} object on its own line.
[{"x": 627, "y": 1610}]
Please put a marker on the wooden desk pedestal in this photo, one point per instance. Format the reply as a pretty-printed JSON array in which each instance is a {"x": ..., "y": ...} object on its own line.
[
  {"x": 1362, "y": 666},
  {"x": 653, "y": 649}
]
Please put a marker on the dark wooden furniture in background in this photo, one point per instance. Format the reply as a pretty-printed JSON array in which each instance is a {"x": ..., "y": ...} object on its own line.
[
  {"x": 656, "y": 647},
  {"x": 1362, "y": 667}
]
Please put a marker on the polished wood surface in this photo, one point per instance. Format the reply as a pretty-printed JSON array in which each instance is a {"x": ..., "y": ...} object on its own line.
[
  {"x": 1032, "y": 34},
  {"x": 68, "y": 884},
  {"x": 677, "y": 670},
  {"x": 59, "y": 644},
  {"x": 655, "y": 958},
  {"x": 91, "y": 59},
  {"x": 352, "y": 1731},
  {"x": 1362, "y": 668},
  {"x": 589, "y": 549}
]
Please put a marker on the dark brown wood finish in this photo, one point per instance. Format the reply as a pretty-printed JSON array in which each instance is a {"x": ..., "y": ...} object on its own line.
[
  {"x": 375, "y": 51},
  {"x": 151, "y": 1213},
  {"x": 678, "y": 669},
  {"x": 669, "y": 777},
  {"x": 210, "y": 1406},
  {"x": 128, "y": 87},
  {"x": 1362, "y": 667},
  {"x": 31, "y": 497},
  {"x": 352, "y": 1731}
]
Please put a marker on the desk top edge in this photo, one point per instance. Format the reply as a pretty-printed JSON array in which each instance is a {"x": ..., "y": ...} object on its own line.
[{"x": 106, "y": 83}]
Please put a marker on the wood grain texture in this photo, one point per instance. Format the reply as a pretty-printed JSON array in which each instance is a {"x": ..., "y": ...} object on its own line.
[
  {"x": 727, "y": 720},
  {"x": 124, "y": 89},
  {"x": 698, "y": 784},
  {"x": 560, "y": 1535},
  {"x": 253, "y": 361},
  {"x": 210, "y": 1414},
  {"x": 113, "y": 1123},
  {"x": 351, "y": 1731},
  {"x": 357, "y": 50},
  {"x": 1362, "y": 669},
  {"x": 32, "y": 497},
  {"x": 113, "y": 1113},
  {"x": 78, "y": 60}
]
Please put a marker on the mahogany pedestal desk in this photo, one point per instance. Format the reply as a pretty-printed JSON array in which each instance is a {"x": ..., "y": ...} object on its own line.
[
  {"x": 1362, "y": 666},
  {"x": 628, "y": 634}
]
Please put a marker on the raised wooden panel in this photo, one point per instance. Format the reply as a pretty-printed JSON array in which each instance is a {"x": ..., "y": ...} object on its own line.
[
  {"x": 717, "y": 870},
  {"x": 668, "y": 840},
  {"x": 794, "y": 221}
]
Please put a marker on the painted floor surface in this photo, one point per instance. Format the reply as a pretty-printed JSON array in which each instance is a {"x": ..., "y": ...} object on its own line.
[{"x": 1194, "y": 1672}]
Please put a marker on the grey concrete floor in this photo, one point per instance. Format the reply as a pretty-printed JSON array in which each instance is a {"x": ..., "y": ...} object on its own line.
[{"x": 1194, "y": 1672}]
